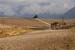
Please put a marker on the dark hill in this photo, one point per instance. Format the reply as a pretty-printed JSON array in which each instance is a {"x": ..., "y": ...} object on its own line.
[{"x": 70, "y": 13}]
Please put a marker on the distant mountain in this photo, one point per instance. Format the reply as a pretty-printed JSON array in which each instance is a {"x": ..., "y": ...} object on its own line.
[
  {"x": 70, "y": 13},
  {"x": 47, "y": 15}
]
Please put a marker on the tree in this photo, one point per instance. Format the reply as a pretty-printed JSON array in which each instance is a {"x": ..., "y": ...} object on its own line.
[{"x": 36, "y": 16}]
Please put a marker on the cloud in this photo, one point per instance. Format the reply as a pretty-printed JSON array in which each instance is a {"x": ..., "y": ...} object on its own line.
[
  {"x": 6, "y": 10},
  {"x": 51, "y": 6},
  {"x": 21, "y": 7}
]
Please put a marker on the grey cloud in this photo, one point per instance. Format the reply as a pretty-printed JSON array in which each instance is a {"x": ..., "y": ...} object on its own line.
[
  {"x": 21, "y": 7},
  {"x": 44, "y": 4}
]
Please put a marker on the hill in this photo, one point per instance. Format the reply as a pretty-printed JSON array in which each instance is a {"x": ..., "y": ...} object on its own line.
[
  {"x": 70, "y": 13},
  {"x": 41, "y": 40},
  {"x": 47, "y": 39},
  {"x": 21, "y": 22}
]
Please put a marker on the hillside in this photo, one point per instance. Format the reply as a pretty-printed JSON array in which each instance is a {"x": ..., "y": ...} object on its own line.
[
  {"x": 69, "y": 21},
  {"x": 21, "y": 22},
  {"x": 39, "y": 38},
  {"x": 70, "y": 13}
]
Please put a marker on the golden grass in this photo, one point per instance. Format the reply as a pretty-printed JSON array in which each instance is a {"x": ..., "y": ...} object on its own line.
[
  {"x": 40, "y": 40},
  {"x": 44, "y": 40},
  {"x": 6, "y": 30}
]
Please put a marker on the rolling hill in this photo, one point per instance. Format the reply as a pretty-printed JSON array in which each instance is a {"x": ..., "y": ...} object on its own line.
[{"x": 37, "y": 40}]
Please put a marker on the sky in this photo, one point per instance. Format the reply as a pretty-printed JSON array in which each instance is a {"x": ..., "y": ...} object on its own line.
[{"x": 31, "y": 7}]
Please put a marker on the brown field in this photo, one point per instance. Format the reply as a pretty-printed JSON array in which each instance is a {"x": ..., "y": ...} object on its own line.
[
  {"x": 66, "y": 20},
  {"x": 31, "y": 39}
]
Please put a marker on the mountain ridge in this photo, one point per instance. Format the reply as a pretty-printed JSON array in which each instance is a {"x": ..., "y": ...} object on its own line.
[{"x": 70, "y": 13}]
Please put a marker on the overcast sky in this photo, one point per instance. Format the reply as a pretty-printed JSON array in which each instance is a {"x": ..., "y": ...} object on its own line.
[{"x": 21, "y": 7}]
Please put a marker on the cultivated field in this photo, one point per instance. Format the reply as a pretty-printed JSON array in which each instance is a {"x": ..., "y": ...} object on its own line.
[{"x": 31, "y": 39}]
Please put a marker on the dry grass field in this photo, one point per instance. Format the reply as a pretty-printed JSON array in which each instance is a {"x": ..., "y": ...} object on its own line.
[
  {"x": 69, "y": 21},
  {"x": 47, "y": 39},
  {"x": 21, "y": 22}
]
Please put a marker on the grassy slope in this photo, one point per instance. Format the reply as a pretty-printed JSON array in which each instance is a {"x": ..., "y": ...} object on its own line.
[
  {"x": 66, "y": 20},
  {"x": 41, "y": 40},
  {"x": 21, "y": 22}
]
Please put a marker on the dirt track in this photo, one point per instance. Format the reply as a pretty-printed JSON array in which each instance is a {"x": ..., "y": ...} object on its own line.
[{"x": 40, "y": 40}]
